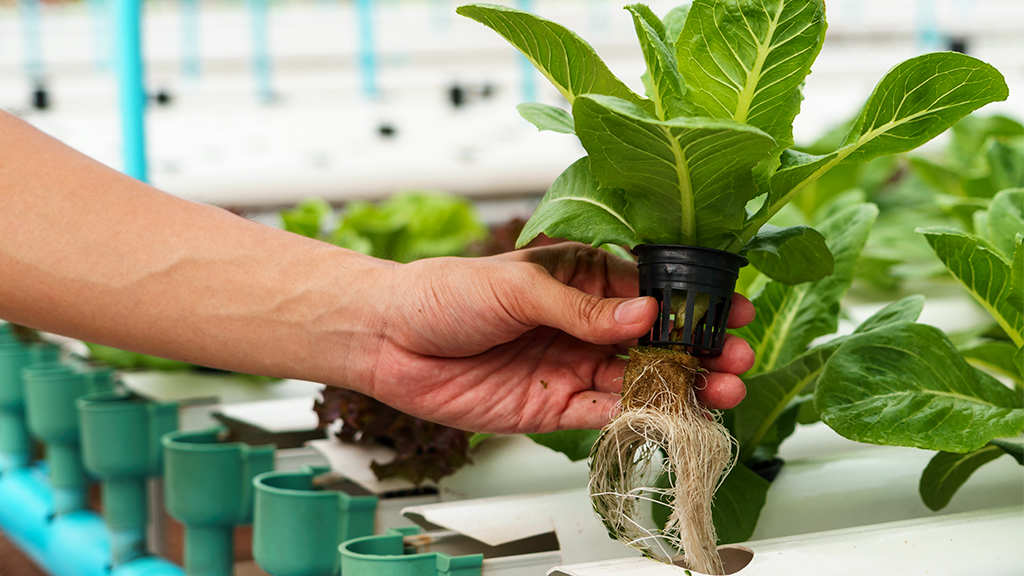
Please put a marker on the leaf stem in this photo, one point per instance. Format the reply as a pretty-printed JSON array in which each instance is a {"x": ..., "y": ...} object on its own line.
[{"x": 687, "y": 210}]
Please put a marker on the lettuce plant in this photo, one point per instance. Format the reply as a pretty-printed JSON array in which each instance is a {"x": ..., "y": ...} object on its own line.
[
  {"x": 405, "y": 227},
  {"x": 983, "y": 156},
  {"x": 914, "y": 388},
  {"x": 704, "y": 159}
]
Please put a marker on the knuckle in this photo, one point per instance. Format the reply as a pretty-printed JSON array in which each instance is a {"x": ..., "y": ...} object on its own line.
[{"x": 586, "y": 308}]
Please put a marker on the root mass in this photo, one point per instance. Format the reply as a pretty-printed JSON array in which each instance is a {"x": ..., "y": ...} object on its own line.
[{"x": 662, "y": 428}]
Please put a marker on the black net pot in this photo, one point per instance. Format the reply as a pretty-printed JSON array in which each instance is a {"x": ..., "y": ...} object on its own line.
[{"x": 688, "y": 272}]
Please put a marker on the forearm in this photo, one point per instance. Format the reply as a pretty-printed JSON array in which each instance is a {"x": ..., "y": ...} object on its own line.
[{"x": 90, "y": 253}]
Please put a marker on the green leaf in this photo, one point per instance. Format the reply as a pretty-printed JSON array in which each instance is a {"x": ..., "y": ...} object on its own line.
[
  {"x": 307, "y": 218},
  {"x": 913, "y": 103},
  {"x": 972, "y": 132},
  {"x": 478, "y": 438},
  {"x": 738, "y": 503},
  {"x": 567, "y": 60},
  {"x": 745, "y": 61},
  {"x": 790, "y": 255},
  {"x": 351, "y": 239},
  {"x": 546, "y": 117},
  {"x": 1006, "y": 221},
  {"x": 124, "y": 359},
  {"x": 943, "y": 178},
  {"x": 979, "y": 221},
  {"x": 674, "y": 22},
  {"x": 1006, "y": 165},
  {"x": 1012, "y": 446},
  {"x": 665, "y": 84},
  {"x": 790, "y": 317},
  {"x": 906, "y": 385},
  {"x": 1018, "y": 359},
  {"x": 411, "y": 225},
  {"x": 1016, "y": 296},
  {"x": 686, "y": 180},
  {"x": 994, "y": 356},
  {"x": 963, "y": 209},
  {"x": 983, "y": 272},
  {"x": 808, "y": 414},
  {"x": 575, "y": 444},
  {"x": 577, "y": 208},
  {"x": 769, "y": 394},
  {"x": 918, "y": 100},
  {"x": 947, "y": 472},
  {"x": 907, "y": 309}
]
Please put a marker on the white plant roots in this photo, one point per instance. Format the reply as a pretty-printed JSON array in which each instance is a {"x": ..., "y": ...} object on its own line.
[{"x": 662, "y": 428}]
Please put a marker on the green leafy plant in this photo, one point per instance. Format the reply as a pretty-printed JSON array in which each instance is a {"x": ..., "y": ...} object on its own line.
[
  {"x": 786, "y": 370},
  {"x": 656, "y": 170},
  {"x": 704, "y": 159},
  {"x": 939, "y": 188},
  {"x": 405, "y": 227},
  {"x": 915, "y": 388},
  {"x": 124, "y": 359}
]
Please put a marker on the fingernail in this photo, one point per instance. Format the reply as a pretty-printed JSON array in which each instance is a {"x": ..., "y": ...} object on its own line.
[{"x": 631, "y": 311}]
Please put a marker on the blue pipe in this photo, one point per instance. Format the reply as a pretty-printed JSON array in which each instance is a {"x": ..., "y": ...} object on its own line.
[
  {"x": 150, "y": 566},
  {"x": 258, "y": 10},
  {"x": 192, "y": 64},
  {"x": 927, "y": 26},
  {"x": 128, "y": 63},
  {"x": 528, "y": 72},
  {"x": 72, "y": 544},
  {"x": 25, "y": 509},
  {"x": 101, "y": 32},
  {"x": 78, "y": 544},
  {"x": 440, "y": 15},
  {"x": 367, "y": 55},
  {"x": 31, "y": 16}
]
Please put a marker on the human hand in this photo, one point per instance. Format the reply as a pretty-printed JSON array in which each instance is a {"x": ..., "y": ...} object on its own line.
[{"x": 525, "y": 342}]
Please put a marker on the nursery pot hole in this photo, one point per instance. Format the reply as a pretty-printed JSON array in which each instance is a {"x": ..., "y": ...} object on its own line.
[
  {"x": 701, "y": 281},
  {"x": 734, "y": 558}
]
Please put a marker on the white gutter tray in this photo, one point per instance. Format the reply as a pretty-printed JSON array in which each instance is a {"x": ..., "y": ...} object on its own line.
[
  {"x": 200, "y": 395},
  {"x": 986, "y": 542},
  {"x": 874, "y": 485},
  {"x": 860, "y": 490},
  {"x": 276, "y": 416},
  {"x": 502, "y": 465},
  {"x": 520, "y": 535}
]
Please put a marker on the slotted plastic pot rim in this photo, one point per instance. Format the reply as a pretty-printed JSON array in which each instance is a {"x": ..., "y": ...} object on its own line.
[{"x": 668, "y": 269}]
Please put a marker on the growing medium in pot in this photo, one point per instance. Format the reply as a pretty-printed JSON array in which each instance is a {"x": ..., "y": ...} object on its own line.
[{"x": 703, "y": 159}]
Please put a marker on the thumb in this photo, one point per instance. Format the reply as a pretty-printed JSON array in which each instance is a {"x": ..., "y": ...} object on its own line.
[{"x": 589, "y": 318}]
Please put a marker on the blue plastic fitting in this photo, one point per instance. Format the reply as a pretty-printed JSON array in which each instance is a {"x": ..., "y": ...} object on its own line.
[{"x": 25, "y": 509}]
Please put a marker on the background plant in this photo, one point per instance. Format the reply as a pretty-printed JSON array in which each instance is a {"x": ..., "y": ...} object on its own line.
[
  {"x": 917, "y": 389},
  {"x": 937, "y": 187}
]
